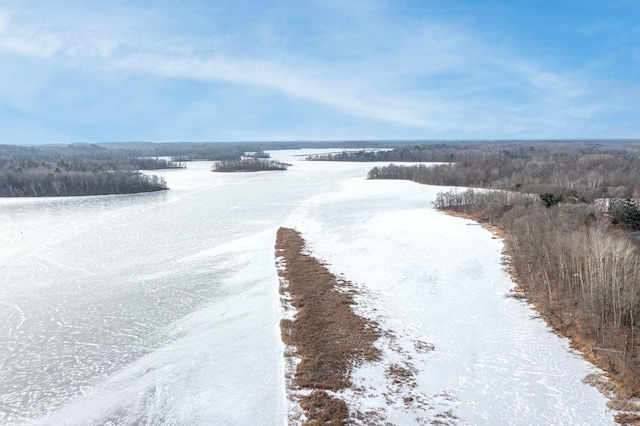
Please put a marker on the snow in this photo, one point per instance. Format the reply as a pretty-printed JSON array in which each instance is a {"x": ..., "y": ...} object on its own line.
[
  {"x": 164, "y": 308},
  {"x": 432, "y": 278},
  {"x": 206, "y": 370}
]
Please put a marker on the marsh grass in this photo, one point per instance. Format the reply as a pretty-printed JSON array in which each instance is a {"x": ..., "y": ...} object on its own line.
[{"x": 330, "y": 339}]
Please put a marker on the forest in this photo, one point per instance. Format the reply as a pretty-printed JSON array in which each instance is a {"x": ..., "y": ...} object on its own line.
[
  {"x": 427, "y": 153},
  {"x": 219, "y": 151},
  {"x": 568, "y": 213},
  {"x": 435, "y": 151},
  {"x": 585, "y": 173},
  {"x": 52, "y": 171}
]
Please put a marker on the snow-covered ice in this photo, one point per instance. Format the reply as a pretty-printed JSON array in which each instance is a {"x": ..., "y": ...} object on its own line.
[
  {"x": 163, "y": 308},
  {"x": 438, "y": 283}
]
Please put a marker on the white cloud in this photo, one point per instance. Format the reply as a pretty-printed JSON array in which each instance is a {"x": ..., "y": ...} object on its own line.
[
  {"x": 43, "y": 47},
  {"x": 4, "y": 20},
  {"x": 336, "y": 93},
  {"x": 424, "y": 75}
]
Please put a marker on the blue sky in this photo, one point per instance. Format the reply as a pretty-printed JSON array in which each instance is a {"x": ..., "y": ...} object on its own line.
[{"x": 79, "y": 71}]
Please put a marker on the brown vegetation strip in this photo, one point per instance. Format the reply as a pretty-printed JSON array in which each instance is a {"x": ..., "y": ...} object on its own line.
[{"x": 329, "y": 337}]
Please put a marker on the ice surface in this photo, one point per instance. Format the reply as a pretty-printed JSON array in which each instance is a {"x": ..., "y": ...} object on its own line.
[
  {"x": 163, "y": 308},
  {"x": 438, "y": 280}
]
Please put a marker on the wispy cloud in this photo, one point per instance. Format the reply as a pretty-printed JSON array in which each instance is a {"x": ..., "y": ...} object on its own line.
[{"x": 418, "y": 74}]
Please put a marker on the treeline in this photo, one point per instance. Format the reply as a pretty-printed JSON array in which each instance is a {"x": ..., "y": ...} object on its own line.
[
  {"x": 78, "y": 158},
  {"x": 586, "y": 176},
  {"x": 568, "y": 215},
  {"x": 460, "y": 151},
  {"x": 43, "y": 183},
  {"x": 252, "y": 164},
  {"x": 448, "y": 152},
  {"x": 75, "y": 170},
  {"x": 412, "y": 153},
  {"x": 219, "y": 151}
]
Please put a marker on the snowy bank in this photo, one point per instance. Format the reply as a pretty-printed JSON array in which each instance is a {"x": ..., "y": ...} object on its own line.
[{"x": 438, "y": 283}]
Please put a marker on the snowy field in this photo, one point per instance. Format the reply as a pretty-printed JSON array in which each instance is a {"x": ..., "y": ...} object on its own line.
[{"x": 164, "y": 308}]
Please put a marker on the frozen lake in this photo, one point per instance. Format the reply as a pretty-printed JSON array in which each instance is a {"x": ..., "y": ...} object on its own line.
[{"x": 163, "y": 308}]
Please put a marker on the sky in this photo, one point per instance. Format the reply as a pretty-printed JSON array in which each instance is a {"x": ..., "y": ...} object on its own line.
[{"x": 219, "y": 70}]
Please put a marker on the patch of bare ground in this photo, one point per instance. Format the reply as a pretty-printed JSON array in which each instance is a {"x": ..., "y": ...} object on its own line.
[
  {"x": 621, "y": 383},
  {"x": 403, "y": 383},
  {"x": 326, "y": 338},
  {"x": 446, "y": 418},
  {"x": 323, "y": 409},
  {"x": 423, "y": 347},
  {"x": 627, "y": 419}
]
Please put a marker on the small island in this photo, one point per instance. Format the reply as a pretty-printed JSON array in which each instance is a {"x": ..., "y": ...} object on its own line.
[{"x": 250, "y": 164}]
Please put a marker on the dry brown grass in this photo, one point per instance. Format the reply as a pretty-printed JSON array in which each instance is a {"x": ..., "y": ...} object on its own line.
[
  {"x": 618, "y": 405},
  {"x": 322, "y": 409},
  {"x": 400, "y": 374},
  {"x": 329, "y": 337},
  {"x": 627, "y": 419}
]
